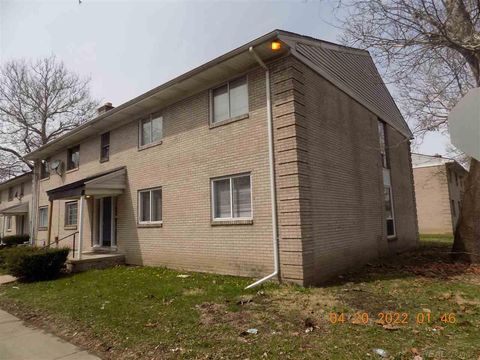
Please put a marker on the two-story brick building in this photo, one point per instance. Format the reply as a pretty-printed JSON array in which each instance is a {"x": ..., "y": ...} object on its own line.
[
  {"x": 284, "y": 157},
  {"x": 15, "y": 205},
  {"x": 439, "y": 188}
]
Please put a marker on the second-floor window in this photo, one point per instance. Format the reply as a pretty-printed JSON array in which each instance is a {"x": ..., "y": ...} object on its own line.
[
  {"x": 383, "y": 144},
  {"x": 11, "y": 193},
  {"x": 44, "y": 169},
  {"x": 73, "y": 160},
  {"x": 151, "y": 130},
  {"x": 230, "y": 100},
  {"x": 104, "y": 147},
  {"x": 22, "y": 189},
  {"x": 71, "y": 213}
]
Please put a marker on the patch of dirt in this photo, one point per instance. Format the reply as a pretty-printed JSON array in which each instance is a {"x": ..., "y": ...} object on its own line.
[
  {"x": 217, "y": 314},
  {"x": 443, "y": 270}
]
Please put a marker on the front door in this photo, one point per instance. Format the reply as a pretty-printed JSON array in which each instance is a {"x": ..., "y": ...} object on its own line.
[
  {"x": 106, "y": 222},
  {"x": 20, "y": 224}
]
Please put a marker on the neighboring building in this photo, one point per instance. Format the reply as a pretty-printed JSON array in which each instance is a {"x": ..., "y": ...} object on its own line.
[
  {"x": 181, "y": 177},
  {"x": 439, "y": 187},
  {"x": 15, "y": 204}
]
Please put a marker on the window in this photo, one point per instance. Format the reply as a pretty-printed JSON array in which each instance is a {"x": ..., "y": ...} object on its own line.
[
  {"x": 456, "y": 179},
  {"x": 11, "y": 191},
  {"x": 22, "y": 189},
  {"x": 387, "y": 184},
  {"x": 389, "y": 211},
  {"x": 454, "y": 211},
  {"x": 231, "y": 197},
  {"x": 383, "y": 144},
  {"x": 43, "y": 217},
  {"x": 151, "y": 130},
  {"x": 9, "y": 222},
  {"x": 71, "y": 213},
  {"x": 230, "y": 100},
  {"x": 104, "y": 147},
  {"x": 150, "y": 206},
  {"x": 73, "y": 160},
  {"x": 44, "y": 169}
]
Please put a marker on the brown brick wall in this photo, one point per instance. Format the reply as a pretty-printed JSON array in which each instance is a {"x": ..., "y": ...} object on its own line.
[
  {"x": 328, "y": 177},
  {"x": 191, "y": 154},
  {"x": 330, "y": 180},
  {"x": 434, "y": 190}
]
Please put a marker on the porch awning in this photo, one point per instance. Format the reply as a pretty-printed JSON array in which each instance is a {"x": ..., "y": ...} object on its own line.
[
  {"x": 19, "y": 209},
  {"x": 109, "y": 183}
]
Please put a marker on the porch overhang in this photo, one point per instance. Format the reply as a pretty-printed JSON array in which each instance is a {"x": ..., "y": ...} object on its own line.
[
  {"x": 19, "y": 209},
  {"x": 109, "y": 183}
]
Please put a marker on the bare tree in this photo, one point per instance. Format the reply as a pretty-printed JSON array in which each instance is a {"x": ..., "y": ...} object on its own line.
[
  {"x": 39, "y": 101},
  {"x": 430, "y": 51}
]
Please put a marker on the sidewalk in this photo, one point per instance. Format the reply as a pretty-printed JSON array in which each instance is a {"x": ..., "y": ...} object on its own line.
[{"x": 19, "y": 342}]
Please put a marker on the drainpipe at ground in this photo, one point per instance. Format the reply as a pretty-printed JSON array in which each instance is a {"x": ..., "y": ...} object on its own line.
[{"x": 273, "y": 195}]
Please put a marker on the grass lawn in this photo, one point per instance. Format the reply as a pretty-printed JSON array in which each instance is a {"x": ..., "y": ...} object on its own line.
[{"x": 151, "y": 313}]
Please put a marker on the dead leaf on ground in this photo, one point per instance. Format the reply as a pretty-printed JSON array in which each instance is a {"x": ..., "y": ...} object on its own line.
[{"x": 391, "y": 327}]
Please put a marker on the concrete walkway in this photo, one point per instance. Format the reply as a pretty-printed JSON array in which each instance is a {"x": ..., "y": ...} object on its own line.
[
  {"x": 7, "y": 279},
  {"x": 19, "y": 342}
]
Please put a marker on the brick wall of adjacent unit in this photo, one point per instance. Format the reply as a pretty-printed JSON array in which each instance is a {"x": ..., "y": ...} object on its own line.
[
  {"x": 434, "y": 190},
  {"x": 5, "y": 203},
  {"x": 329, "y": 179},
  {"x": 190, "y": 155},
  {"x": 433, "y": 208}
]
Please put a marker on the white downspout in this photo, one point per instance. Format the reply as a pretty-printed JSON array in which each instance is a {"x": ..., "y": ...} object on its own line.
[
  {"x": 80, "y": 229},
  {"x": 273, "y": 193}
]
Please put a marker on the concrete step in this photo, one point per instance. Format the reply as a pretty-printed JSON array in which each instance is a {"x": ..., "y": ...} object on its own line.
[{"x": 95, "y": 260}]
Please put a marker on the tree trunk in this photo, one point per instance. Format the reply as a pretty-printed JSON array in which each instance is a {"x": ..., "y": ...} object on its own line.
[{"x": 466, "y": 245}]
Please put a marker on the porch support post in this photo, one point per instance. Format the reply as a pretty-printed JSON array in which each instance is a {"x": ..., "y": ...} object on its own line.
[
  {"x": 80, "y": 224},
  {"x": 50, "y": 213}
]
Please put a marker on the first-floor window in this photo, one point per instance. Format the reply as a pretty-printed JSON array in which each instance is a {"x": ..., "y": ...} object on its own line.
[
  {"x": 71, "y": 213},
  {"x": 9, "y": 222},
  {"x": 231, "y": 197},
  {"x": 43, "y": 217},
  {"x": 150, "y": 206},
  {"x": 389, "y": 211}
]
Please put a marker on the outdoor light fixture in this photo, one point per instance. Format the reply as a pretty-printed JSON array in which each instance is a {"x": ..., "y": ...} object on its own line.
[{"x": 276, "y": 45}]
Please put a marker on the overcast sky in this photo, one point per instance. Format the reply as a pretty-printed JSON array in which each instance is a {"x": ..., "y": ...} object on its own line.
[{"x": 129, "y": 47}]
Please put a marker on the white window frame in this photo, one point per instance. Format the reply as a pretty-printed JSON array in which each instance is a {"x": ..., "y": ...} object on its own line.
[
  {"x": 229, "y": 106},
  {"x": 140, "y": 131},
  {"x": 231, "y": 177},
  {"x": 40, "y": 209},
  {"x": 9, "y": 222},
  {"x": 66, "y": 213},
  {"x": 389, "y": 186},
  {"x": 150, "y": 190}
]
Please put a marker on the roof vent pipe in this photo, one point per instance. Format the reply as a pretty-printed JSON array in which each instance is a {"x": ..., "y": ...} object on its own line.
[{"x": 273, "y": 195}]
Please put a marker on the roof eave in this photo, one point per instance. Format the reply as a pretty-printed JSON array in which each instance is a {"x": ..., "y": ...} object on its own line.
[{"x": 43, "y": 152}]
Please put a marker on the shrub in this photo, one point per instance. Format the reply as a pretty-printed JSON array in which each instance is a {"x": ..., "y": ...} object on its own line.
[
  {"x": 15, "y": 239},
  {"x": 30, "y": 263}
]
